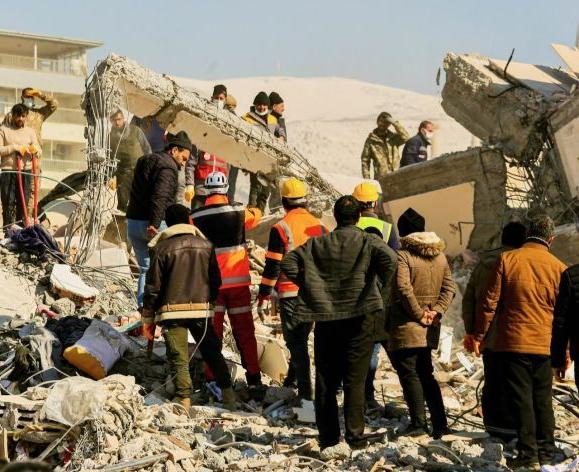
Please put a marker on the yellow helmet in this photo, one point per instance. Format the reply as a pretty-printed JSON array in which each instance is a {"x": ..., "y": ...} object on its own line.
[
  {"x": 365, "y": 192},
  {"x": 293, "y": 188}
]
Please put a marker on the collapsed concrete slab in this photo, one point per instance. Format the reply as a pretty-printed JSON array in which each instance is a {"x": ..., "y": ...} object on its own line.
[
  {"x": 146, "y": 93},
  {"x": 484, "y": 169},
  {"x": 502, "y": 107}
]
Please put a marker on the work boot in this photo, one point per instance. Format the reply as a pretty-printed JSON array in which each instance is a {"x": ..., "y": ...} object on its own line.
[
  {"x": 524, "y": 464},
  {"x": 185, "y": 403},
  {"x": 229, "y": 399}
]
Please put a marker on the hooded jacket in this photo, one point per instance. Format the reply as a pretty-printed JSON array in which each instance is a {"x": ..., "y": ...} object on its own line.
[
  {"x": 337, "y": 273},
  {"x": 521, "y": 295},
  {"x": 423, "y": 281},
  {"x": 183, "y": 279},
  {"x": 267, "y": 122}
]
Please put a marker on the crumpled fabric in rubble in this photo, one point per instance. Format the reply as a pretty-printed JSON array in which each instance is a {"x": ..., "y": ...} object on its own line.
[
  {"x": 68, "y": 329},
  {"x": 44, "y": 345},
  {"x": 34, "y": 239}
]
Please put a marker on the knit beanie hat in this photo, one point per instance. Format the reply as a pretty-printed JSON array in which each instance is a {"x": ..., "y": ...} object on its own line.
[
  {"x": 261, "y": 99},
  {"x": 410, "y": 222},
  {"x": 275, "y": 99}
]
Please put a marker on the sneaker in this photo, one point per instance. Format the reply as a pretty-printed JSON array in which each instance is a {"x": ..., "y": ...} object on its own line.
[
  {"x": 413, "y": 432},
  {"x": 373, "y": 405},
  {"x": 524, "y": 464},
  {"x": 438, "y": 433},
  {"x": 257, "y": 392}
]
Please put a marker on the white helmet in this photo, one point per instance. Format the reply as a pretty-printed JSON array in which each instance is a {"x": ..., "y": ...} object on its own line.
[{"x": 216, "y": 182}]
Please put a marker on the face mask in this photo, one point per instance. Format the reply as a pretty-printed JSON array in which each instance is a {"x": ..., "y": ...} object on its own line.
[
  {"x": 28, "y": 102},
  {"x": 261, "y": 113},
  {"x": 428, "y": 135},
  {"x": 219, "y": 103}
]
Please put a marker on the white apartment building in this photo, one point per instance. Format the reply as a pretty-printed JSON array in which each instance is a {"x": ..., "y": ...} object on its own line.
[{"x": 58, "y": 67}]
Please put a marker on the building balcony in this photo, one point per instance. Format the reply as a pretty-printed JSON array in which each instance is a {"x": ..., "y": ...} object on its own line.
[{"x": 64, "y": 66}]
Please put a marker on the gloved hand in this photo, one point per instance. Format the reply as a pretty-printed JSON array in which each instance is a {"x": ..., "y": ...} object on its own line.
[
  {"x": 263, "y": 306},
  {"x": 152, "y": 231},
  {"x": 32, "y": 149},
  {"x": 149, "y": 331},
  {"x": 189, "y": 193},
  {"x": 468, "y": 342}
]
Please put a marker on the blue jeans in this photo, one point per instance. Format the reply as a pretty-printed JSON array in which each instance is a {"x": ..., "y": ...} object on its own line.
[
  {"x": 372, "y": 372},
  {"x": 139, "y": 239}
]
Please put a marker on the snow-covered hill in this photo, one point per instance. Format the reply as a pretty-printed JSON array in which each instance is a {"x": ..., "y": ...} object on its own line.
[{"x": 328, "y": 118}]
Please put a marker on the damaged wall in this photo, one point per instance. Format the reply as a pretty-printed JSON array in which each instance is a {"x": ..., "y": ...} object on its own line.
[{"x": 484, "y": 168}]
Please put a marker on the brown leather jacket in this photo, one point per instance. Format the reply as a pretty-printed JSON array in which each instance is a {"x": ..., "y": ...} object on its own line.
[
  {"x": 423, "y": 280},
  {"x": 521, "y": 294},
  {"x": 183, "y": 279}
]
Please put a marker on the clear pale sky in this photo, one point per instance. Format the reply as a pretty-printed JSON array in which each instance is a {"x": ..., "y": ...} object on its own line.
[{"x": 396, "y": 43}]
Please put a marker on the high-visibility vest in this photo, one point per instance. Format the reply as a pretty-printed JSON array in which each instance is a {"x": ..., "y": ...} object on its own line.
[
  {"x": 224, "y": 225},
  {"x": 295, "y": 229},
  {"x": 384, "y": 227}
]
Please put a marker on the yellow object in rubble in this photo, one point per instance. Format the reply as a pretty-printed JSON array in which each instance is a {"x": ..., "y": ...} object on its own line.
[
  {"x": 365, "y": 192},
  {"x": 293, "y": 188},
  {"x": 84, "y": 361}
]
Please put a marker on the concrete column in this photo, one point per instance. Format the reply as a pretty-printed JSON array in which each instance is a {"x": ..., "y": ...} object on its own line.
[{"x": 35, "y": 56}]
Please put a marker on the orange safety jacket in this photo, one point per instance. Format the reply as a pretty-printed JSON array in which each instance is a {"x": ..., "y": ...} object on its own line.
[
  {"x": 224, "y": 224},
  {"x": 292, "y": 231}
]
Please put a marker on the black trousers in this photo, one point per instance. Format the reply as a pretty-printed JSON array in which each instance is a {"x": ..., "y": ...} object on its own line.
[
  {"x": 415, "y": 372},
  {"x": 342, "y": 351},
  {"x": 496, "y": 404},
  {"x": 12, "y": 211},
  {"x": 175, "y": 334},
  {"x": 528, "y": 379},
  {"x": 296, "y": 339}
]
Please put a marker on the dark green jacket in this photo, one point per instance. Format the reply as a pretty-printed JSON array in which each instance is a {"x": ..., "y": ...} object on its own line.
[{"x": 338, "y": 275}]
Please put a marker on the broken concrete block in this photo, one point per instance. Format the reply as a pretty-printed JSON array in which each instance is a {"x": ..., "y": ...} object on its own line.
[
  {"x": 477, "y": 171},
  {"x": 64, "y": 307},
  {"x": 493, "y": 452},
  {"x": 66, "y": 283},
  {"x": 272, "y": 358},
  {"x": 339, "y": 451}
]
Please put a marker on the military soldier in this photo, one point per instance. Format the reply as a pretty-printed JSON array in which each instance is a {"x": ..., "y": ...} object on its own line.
[{"x": 381, "y": 147}]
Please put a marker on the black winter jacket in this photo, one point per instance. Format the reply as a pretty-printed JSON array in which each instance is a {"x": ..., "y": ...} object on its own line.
[
  {"x": 566, "y": 319},
  {"x": 154, "y": 188},
  {"x": 415, "y": 150},
  {"x": 337, "y": 275}
]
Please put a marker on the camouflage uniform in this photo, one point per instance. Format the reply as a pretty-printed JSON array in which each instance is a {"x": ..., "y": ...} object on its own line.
[{"x": 383, "y": 152}]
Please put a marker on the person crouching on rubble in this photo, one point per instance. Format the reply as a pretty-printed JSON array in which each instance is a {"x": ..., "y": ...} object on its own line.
[
  {"x": 182, "y": 284},
  {"x": 224, "y": 224},
  {"x": 153, "y": 190},
  {"x": 423, "y": 291},
  {"x": 337, "y": 276},
  {"x": 519, "y": 302}
]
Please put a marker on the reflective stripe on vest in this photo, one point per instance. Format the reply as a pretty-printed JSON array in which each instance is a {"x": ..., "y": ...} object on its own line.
[
  {"x": 384, "y": 227},
  {"x": 216, "y": 211}
]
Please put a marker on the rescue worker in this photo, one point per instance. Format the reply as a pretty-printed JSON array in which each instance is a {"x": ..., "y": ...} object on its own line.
[
  {"x": 224, "y": 224},
  {"x": 36, "y": 116},
  {"x": 297, "y": 226},
  {"x": 381, "y": 147},
  {"x": 197, "y": 170},
  {"x": 277, "y": 109},
  {"x": 497, "y": 413},
  {"x": 127, "y": 143},
  {"x": 153, "y": 190},
  {"x": 182, "y": 301},
  {"x": 337, "y": 276},
  {"x": 18, "y": 147},
  {"x": 416, "y": 149},
  {"x": 367, "y": 195},
  {"x": 261, "y": 185}
]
